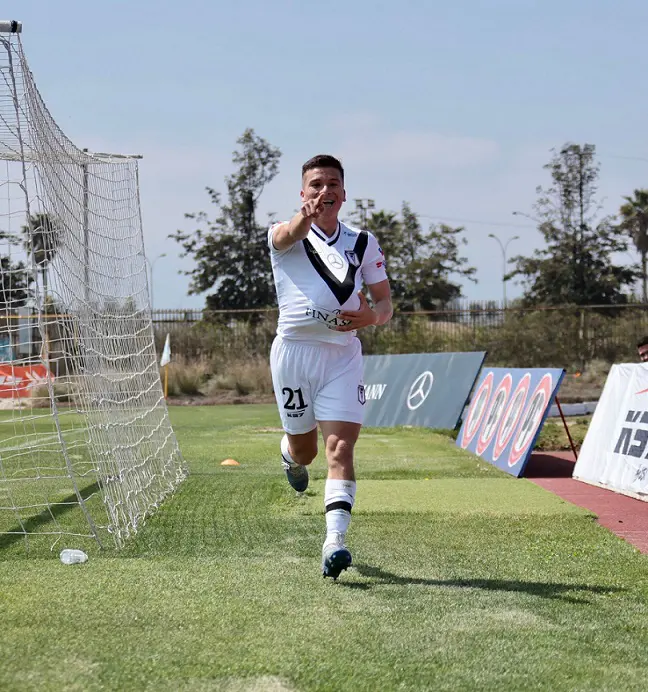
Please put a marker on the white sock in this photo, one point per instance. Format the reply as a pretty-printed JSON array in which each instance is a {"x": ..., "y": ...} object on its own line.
[
  {"x": 339, "y": 496},
  {"x": 285, "y": 452}
]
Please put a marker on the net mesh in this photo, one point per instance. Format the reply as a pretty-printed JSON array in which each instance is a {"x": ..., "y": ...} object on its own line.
[{"x": 86, "y": 446}]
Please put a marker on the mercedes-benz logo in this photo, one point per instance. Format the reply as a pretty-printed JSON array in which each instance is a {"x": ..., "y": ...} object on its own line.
[
  {"x": 420, "y": 390},
  {"x": 335, "y": 261}
]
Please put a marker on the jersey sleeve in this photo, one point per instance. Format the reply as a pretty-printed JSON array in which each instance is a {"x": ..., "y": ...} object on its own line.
[
  {"x": 271, "y": 230},
  {"x": 373, "y": 268}
]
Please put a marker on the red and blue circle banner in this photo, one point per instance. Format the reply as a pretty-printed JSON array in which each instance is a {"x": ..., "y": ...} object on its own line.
[{"x": 506, "y": 414}]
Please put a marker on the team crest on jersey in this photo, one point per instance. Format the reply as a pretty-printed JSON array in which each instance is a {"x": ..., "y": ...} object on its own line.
[
  {"x": 362, "y": 397},
  {"x": 352, "y": 258}
]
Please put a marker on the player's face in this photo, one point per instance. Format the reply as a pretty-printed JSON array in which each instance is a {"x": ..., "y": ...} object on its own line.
[
  {"x": 329, "y": 181},
  {"x": 643, "y": 353}
]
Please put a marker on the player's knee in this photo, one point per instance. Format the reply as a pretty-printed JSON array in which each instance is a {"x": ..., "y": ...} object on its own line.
[
  {"x": 303, "y": 453},
  {"x": 339, "y": 452},
  {"x": 305, "y": 459}
]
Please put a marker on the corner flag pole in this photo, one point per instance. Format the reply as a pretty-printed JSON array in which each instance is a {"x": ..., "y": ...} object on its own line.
[{"x": 164, "y": 362}]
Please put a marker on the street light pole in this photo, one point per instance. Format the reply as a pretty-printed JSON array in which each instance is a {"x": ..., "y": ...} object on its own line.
[
  {"x": 151, "y": 265},
  {"x": 503, "y": 248},
  {"x": 363, "y": 206}
]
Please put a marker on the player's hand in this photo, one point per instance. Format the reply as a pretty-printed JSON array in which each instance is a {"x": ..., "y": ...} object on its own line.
[
  {"x": 363, "y": 317},
  {"x": 313, "y": 207}
]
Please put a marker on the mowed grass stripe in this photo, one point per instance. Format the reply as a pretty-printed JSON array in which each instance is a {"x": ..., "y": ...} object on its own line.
[
  {"x": 477, "y": 581},
  {"x": 463, "y": 496}
]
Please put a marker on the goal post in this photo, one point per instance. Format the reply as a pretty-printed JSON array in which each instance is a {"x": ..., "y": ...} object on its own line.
[{"x": 87, "y": 450}]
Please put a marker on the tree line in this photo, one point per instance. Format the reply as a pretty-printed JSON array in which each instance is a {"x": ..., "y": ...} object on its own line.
[
  {"x": 575, "y": 266},
  {"x": 39, "y": 238}
]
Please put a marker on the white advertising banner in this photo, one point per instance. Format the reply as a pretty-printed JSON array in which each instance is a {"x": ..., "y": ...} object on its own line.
[{"x": 614, "y": 454}]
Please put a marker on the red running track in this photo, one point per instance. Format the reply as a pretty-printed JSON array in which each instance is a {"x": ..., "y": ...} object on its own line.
[{"x": 623, "y": 515}]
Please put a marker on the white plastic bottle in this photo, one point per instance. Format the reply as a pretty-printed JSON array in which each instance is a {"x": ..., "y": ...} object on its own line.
[{"x": 72, "y": 557}]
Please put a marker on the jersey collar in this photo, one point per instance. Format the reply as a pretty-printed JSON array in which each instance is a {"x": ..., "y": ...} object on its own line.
[{"x": 320, "y": 233}]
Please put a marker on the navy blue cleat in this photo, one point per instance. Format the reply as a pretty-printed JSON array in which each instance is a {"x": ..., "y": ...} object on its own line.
[
  {"x": 296, "y": 474},
  {"x": 335, "y": 558}
]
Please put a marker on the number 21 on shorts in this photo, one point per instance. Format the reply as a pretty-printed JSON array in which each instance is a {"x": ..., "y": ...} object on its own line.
[{"x": 294, "y": 402}]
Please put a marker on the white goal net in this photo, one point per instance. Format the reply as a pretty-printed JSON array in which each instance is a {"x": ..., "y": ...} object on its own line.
[{"x": 86, "y": 447}]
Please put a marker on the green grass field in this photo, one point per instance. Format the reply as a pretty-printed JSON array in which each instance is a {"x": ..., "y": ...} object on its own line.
[{"x": 464, "y": 579}]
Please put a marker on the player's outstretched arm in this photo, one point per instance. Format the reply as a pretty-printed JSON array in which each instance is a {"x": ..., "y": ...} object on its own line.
[{"x": 287, "y": 234}]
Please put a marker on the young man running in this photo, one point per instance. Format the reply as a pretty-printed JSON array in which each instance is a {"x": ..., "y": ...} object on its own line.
[{"x": 319, "y": 265}]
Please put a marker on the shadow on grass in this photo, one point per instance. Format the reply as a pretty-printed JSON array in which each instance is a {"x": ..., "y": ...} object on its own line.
[
  {"x": 52, "y": 513},
  {"x": 379, "y": 577}
]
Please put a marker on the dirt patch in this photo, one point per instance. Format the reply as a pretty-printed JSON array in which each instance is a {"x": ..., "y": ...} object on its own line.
[{"x": 225, "y": 397}]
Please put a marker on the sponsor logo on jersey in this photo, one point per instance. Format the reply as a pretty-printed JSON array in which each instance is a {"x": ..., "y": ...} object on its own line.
[
  {"x": 335, "y": 261},
  {"x": 331, "y": 318},
  {"x": 341, "y": 287}
]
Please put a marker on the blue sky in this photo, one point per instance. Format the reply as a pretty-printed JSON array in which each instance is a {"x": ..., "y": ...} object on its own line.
[{"x": 453, "y": 107}]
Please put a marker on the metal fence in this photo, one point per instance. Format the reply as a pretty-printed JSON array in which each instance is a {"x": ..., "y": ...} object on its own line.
[{"x": 513, "y": 336}]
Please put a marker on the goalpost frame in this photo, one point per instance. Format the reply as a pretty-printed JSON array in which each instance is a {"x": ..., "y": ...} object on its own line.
[
  {"x": 10, "y": 26},
  {"x": 88, "y": 244}
]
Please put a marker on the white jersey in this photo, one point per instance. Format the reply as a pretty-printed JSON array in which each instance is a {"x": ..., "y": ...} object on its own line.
[{"x": 319, "y": 277}]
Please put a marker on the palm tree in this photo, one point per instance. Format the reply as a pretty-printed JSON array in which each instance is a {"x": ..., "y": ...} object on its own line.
[
  {"x": 42, "y": 239},
  {"x": 635, "y": 221},
  {"x": 388, "y": 229}
]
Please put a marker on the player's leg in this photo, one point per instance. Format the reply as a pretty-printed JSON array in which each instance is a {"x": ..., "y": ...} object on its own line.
[
  {"x": 292, "y": 392},
  {"x": 339, "y": 408},
  {"x": 300, "y": 448},
  {"x": 297, "y": 452},
  {"x": 339, "y": 493}
]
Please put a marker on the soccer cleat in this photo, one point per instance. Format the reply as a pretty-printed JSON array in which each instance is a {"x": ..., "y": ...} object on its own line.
[
  {"x": 296, "y": 474},
  {"x": 335, "y": 557}
]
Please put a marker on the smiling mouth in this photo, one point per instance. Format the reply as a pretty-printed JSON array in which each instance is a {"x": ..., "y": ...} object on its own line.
[{"x": 329, "y": 203}]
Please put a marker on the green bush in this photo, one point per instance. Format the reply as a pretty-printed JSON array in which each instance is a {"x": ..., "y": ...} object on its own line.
[
  {"x": 251, "y": 376},
  {"x": 570, "y": 337}
]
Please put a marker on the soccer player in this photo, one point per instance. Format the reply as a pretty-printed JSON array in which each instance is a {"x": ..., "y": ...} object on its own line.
[
  {"x": 642, "y": 350},
  {"x": 319, "y": 265}
]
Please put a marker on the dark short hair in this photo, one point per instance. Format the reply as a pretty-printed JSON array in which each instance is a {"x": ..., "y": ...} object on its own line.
[
  {"x": 323, "y": 161},
  {"x": 643, "y": 342}
]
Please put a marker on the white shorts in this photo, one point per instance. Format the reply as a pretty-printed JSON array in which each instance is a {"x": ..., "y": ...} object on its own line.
[{"x": 317, "y": 382}]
